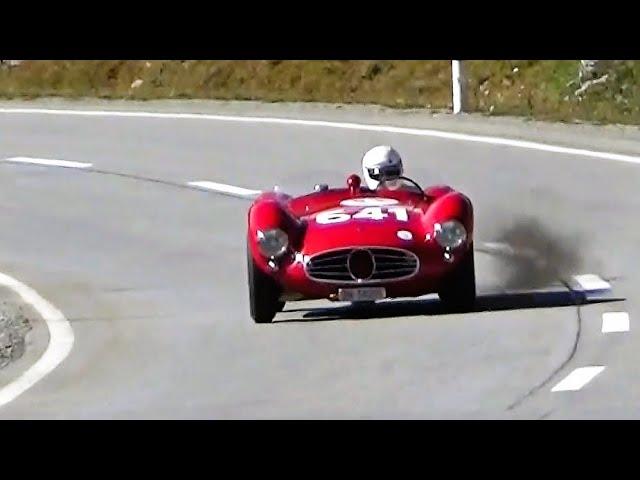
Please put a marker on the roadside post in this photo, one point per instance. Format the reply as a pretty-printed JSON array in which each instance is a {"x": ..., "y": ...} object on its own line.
[{"x": 458, "y": 82}]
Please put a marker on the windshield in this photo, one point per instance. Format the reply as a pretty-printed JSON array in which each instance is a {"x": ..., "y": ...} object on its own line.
[{"x": 398, "y": 183}]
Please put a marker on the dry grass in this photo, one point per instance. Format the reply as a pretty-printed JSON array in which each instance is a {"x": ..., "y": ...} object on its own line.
[
  {"x": 399, "y": 84},
  {"x": 533, "y": 88}
]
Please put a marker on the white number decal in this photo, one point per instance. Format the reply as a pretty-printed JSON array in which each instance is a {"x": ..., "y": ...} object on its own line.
[
  {"x": 400, "y": 213},
  {"x": 371, "y": 213},
  {"x": 332, "y": 216}
]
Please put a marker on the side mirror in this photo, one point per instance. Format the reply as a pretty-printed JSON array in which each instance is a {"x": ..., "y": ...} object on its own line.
[
  {"x": 320, "y": 187},
  {"x": 353, "y": 182}
]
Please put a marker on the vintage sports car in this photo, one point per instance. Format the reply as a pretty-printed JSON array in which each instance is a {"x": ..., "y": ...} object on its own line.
[{"x": 358, "y": 245}]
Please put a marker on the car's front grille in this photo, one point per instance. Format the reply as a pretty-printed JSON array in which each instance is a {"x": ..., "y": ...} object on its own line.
[{"x": 362, "y": 265}]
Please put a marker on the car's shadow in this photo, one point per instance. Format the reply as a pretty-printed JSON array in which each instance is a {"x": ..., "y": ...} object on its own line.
[{"x": 432, "y": 306}]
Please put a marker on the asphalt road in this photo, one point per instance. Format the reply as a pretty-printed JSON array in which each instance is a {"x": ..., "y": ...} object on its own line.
[{"x": 151, "y": 276}]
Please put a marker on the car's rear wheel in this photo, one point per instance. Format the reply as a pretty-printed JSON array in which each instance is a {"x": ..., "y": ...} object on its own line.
[
  {"x": 458, "y": 293},
  {"x": 264, "y": 294}
]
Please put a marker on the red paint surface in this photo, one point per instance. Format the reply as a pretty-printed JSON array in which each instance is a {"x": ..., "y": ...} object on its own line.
[{"x": 298, "y": 217}]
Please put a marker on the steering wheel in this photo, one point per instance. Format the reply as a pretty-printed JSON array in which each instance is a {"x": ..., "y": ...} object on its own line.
[
  {"x": 411, "y": 181},
  {"x": 414, "y": 183}
]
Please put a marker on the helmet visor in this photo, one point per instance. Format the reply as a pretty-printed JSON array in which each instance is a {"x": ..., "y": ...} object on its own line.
[{"x": 379, "y": 174}]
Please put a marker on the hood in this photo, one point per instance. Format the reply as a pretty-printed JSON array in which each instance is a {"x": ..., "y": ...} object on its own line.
[{"x": 396, "y": 225}]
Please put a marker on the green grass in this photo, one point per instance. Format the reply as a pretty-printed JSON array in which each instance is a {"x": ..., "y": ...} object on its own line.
[
  {"x": 545, "y": 90},
  {"x": 530, "y": 88}
]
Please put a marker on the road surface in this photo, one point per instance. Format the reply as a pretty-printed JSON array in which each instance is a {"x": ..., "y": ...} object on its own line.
[{"x": 151, "y": 273}]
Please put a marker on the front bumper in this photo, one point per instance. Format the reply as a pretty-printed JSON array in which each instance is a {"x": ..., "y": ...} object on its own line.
[{"x": 433, "y": 269}]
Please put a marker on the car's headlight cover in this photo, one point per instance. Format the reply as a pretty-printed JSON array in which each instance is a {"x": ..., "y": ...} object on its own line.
[
  {"x": 272, "y": 243},
  {"x": 450, "y": 234}
]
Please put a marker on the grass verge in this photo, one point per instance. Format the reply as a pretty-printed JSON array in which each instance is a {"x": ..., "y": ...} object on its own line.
[
  {"x": 532, "y": 88},
  {"x": 546, "y": 90},
  {"x": 391, "y": 83}
]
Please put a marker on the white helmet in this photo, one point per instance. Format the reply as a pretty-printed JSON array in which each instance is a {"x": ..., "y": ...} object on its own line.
[{"x": 381, "y": 161}]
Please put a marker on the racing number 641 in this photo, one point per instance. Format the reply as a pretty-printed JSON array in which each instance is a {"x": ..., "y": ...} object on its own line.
[{"x": 369, "y": 213}]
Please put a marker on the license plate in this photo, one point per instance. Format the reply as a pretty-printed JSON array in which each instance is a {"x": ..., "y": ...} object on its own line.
[{"x": 368, "y": 294}]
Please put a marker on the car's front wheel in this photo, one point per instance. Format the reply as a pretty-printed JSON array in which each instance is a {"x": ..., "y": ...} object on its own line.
[
  {"x": 458, "y": 293},
  {"x": 264, "y": 294}
]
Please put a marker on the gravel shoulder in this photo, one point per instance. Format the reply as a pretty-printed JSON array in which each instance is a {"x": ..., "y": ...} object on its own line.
[
  {"x": 14, "y": 327},
  {"x": 23, "y": 336}
]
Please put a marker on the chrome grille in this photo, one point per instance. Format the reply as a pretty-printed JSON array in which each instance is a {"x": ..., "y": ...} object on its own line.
[{"x": 389, "y": 264}]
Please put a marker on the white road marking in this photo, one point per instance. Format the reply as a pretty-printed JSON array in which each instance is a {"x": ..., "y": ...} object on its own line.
[
  {"x": 48, "y": 162},
  {"x": 60, "y": 340},
  {"x": 60, "y": 329},
  {"x": 591, "y": 282},
  {"x": 615, "y": 322},
  {"x": 577, "y": 379},
  {"x": 343, "y": 125},
  {"x": 224, "y": 188}
]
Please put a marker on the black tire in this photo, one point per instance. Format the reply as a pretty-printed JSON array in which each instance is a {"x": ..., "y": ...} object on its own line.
[
  {"x": 264, "y": 294},
  {"x": 458, "y": 293}
]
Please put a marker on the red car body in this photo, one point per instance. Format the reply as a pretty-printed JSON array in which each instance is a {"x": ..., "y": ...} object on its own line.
[{"x": 354, "y": 238}]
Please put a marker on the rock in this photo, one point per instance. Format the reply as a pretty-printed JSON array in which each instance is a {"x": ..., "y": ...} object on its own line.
[
  {"x": 10, "y": 63},
  {"x": 5, "y": 339},
  {"x": 13, "y": 328},
  {"x": 592, "y": 69},
  {"x": 137, "y": 83},
  {"x": 590, "y": 84}
]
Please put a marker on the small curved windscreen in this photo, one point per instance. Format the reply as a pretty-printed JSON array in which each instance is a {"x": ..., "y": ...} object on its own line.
[{"x": 399, "y": 183}]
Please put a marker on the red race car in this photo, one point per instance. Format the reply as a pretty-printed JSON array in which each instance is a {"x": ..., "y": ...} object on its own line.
[{"x": 358, "y": 245}]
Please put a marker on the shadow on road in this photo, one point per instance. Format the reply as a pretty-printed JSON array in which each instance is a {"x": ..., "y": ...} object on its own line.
[{"x": 408, "y": 308}]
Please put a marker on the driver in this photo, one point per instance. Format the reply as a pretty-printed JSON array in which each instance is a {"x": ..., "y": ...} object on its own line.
[{"x": 382, "y": 164}]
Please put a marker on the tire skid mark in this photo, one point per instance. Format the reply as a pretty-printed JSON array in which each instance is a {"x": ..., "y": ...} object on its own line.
[{"x": 578, "y": 302}]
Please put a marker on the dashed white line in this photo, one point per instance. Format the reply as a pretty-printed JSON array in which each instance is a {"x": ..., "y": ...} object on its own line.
[
  {"x": 592, "y": 282},
  {"x": 615, "y": 322},
  {"x": 343, "y": 125},
  {"x": 577, "y": 379},
  {"x": 592, "y": 285},
  {"x": 224, "y": 188},
  {"x": 60, "y": 340},
  {"x": 48, "y": 162}
]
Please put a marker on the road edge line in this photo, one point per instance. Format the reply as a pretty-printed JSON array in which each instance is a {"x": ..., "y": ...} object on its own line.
[{"x": 61, "y": 339}]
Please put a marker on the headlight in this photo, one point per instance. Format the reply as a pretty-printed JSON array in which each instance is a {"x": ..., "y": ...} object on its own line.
[
  {"x": 272, "y": 243},
  {"x": 450, "y": 234}
]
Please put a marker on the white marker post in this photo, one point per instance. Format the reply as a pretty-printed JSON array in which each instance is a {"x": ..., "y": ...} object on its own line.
[{"x": 457, "y": 81}]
